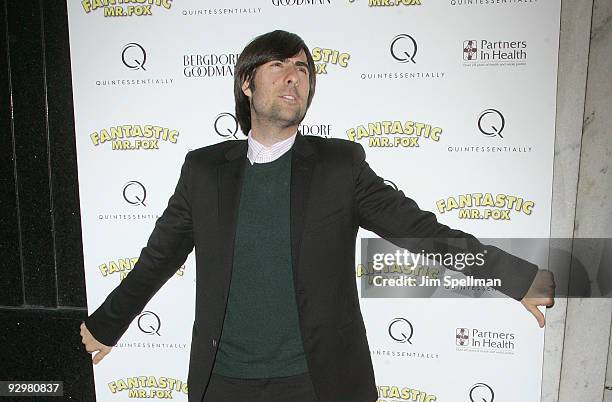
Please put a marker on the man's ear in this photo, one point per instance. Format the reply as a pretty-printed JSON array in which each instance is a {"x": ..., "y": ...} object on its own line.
[{"x": 246, "y": 87}]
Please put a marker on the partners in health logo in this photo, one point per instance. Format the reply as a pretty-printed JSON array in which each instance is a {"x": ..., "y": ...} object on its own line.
[
  {"x": 485, "y": 341},
  {"x": 462, "y": 336},
  {"x": 493, "y": 52},
  {"x": 122, "y": 8}
]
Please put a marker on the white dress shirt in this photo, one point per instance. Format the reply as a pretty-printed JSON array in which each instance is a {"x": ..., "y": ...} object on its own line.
[{"x": 259, "y": 153}]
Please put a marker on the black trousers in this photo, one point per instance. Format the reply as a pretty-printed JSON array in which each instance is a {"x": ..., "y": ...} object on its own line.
[{"x": 296, "y": 388}]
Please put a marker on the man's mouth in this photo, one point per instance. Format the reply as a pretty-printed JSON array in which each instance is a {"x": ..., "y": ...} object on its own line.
[{"x": 289, "y": 98}]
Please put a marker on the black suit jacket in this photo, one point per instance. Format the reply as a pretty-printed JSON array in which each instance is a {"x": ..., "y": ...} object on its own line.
[{"x": 333, "y": 193}]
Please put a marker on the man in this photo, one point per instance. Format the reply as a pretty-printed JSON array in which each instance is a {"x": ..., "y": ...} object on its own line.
[{"x": 274, "y": 220}]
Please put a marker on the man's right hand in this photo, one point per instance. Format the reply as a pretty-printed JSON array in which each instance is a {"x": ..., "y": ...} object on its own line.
[{"x": 92, "y": 345}]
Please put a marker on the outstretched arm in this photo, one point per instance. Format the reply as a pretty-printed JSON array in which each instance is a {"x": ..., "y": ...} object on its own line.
[{"x": 397, "y": 218}]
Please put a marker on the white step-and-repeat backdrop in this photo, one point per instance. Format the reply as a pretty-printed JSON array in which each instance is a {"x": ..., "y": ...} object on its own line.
[{"x": 453, "y": 100}]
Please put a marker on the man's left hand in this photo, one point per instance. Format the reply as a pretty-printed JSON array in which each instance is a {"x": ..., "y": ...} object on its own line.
[{"x": 540, "y": 293}]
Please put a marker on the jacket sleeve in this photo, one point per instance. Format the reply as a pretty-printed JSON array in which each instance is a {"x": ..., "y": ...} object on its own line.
[
  {"x": 398, "y": 219},
  {"x": 167, "y": 249}
]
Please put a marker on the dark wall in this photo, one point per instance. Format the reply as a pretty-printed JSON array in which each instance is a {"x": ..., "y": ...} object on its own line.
[{"x": 42, "y": 297}]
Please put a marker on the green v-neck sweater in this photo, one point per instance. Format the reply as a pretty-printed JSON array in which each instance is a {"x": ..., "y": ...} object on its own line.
[{"x": 261, "y": 336}]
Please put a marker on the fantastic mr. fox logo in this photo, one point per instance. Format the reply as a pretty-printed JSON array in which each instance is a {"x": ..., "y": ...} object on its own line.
[
  {"x": 396, "y": 393},
  {"x": 324, "y": 57},
  {"x": 148, "y": 387},
  {"x": 407, "y": 134},
  {"x": 473, "y": 206},
  {"x": 123, "y": 266},
  {"x": 123, "y": 8},
  {"x": 134, "y": 136}
]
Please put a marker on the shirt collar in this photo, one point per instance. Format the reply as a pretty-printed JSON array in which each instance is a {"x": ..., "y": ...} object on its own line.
[{"x": 259, "y": 153}]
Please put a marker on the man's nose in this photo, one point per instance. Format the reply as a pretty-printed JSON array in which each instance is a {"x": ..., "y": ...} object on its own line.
[{"x": 292, "y": 75}]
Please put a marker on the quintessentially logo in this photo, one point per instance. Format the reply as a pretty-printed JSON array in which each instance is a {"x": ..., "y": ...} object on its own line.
[
  {"x": 481, "y": 392},
  {"x": 149, "y": 337},
  {"x": 135, "y": 59},
  {"x": 134, "y": 56},
  {"x": 323, "y": 57},
  {"x": 468, "y": 205},
  {"x": 402, "y": 63},
  {"x": 400, "y": 344},
  {"x": 226, "y": 125},
  {"x": 491, "y": 122},
  {"x": 403, "y": 48},
  {"x": 135, "y": 193},
  {"x": 149, "y": 323},
  {"x": 218, "y": 12},
  {"x": 401, "y": 330},
  {"x": 112, "y": 9},
  {"x": 395, "y": 133},
  {"x": 134, "y": 136}
]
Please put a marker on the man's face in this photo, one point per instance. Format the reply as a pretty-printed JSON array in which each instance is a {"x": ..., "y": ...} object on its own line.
[{"x": 281, "y": 91}]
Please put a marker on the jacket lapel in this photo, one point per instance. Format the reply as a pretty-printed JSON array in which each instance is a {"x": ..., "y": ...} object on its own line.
[
  {"x": 230, "y": 176},
  {"x": 302, "y": 167}
]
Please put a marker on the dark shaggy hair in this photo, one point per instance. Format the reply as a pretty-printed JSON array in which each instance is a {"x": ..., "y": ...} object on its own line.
[{"x": 275, "y": 45}]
